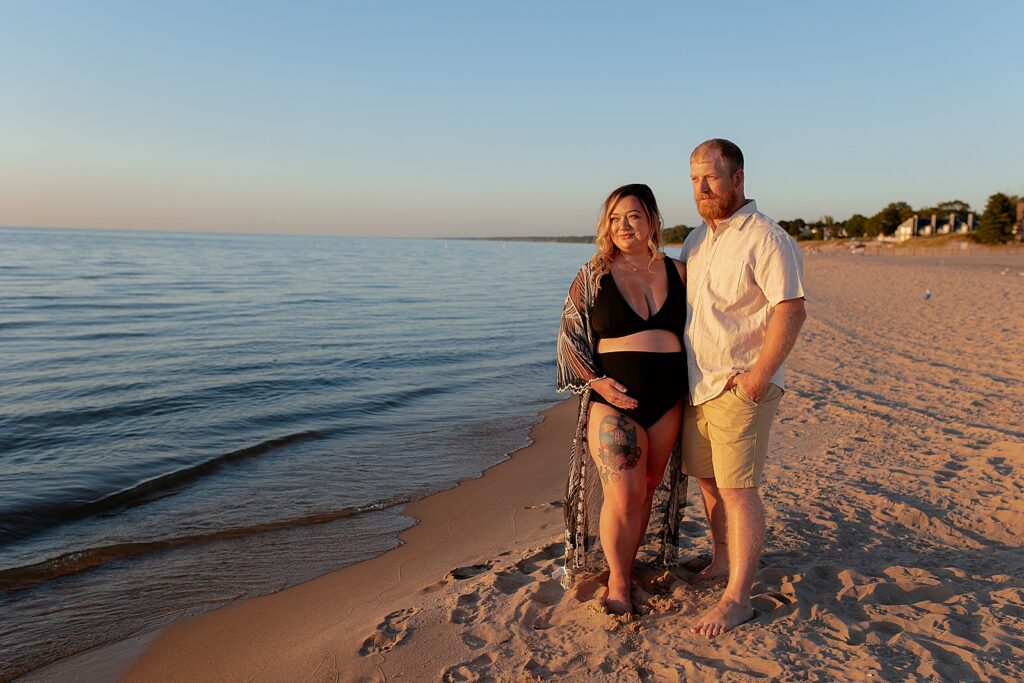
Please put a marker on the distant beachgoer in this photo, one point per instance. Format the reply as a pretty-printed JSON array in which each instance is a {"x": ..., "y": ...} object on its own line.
[
  {"x": 744, "y": 309},
  {"x": 620, "y": 347}
]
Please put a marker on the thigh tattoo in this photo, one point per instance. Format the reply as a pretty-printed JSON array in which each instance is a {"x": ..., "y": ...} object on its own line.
[{"x": 618, "y": 449}]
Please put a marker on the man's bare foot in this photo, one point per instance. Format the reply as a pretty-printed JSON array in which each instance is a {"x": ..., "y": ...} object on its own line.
[
  {"x": 723, "y": 617},
  {"x": 618, "y": 601},
  {"x": 712, "y": 571}
]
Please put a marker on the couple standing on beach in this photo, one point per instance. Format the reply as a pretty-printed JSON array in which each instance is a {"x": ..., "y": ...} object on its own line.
[{"x": 678, "y": 364}]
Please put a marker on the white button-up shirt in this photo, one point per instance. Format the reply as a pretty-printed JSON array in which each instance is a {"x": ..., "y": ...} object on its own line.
[{"x": 735, "y": 274}]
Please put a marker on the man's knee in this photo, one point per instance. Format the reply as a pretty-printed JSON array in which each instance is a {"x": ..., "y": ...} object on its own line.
[
  {"x": 743, "y": 501},
  {"x": 746, "y": 493}
]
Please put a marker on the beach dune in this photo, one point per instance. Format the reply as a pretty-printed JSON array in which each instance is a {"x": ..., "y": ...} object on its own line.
[{"x": 894, "y": 495}]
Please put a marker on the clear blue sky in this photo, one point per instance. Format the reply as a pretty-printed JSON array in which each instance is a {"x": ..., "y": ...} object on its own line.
[{"x": 481, "y": 118}]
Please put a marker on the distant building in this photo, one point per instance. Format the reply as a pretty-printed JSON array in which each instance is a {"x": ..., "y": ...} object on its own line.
[
  {"x": 827, "y": 232},
  {"x": 938, "y": 225}
]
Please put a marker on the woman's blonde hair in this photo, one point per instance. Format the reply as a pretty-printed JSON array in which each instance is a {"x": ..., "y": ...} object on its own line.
[{"x": 606, "y": 249}]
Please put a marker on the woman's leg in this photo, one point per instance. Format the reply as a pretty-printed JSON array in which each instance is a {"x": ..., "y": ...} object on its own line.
[
  {"x": 619, "y": 448},
  {"x": 661, "y": 437}
]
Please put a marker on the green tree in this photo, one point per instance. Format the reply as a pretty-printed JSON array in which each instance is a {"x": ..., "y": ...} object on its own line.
[
  {"x": 956, "y": 206},
  {"x": 996, "y": 223},
  {"x": 794, "y": 227},
  {"x": 888, "y": 219},
  {"x": 674, "y": 235},
  {"x": 856, "y": 225}
]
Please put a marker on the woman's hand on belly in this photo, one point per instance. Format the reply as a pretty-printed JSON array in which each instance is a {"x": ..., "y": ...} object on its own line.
[
  {"x": 614, "y": 393},
  {"x": 655, "y": 341}
]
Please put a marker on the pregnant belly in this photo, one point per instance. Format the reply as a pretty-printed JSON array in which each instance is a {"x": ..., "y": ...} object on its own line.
[{"x": 658, "y": 341}]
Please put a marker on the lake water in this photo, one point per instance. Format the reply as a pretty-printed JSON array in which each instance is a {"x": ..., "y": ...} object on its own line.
[{"x": 188, "y": 419}]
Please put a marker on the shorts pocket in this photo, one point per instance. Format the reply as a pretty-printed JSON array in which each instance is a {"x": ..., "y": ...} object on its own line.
[
  {"x": 742, "y": 396},
  {"x": 772, "y": 393}
]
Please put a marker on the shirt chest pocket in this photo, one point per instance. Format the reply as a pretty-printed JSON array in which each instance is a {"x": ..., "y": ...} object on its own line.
[{"x": 725, "y": 276}]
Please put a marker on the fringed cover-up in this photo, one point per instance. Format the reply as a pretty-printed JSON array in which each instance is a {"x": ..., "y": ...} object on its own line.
[{"x": 577, "y": 363}]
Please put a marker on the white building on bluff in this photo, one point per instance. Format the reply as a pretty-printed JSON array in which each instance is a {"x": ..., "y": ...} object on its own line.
[{"x": 944, "y": 225}]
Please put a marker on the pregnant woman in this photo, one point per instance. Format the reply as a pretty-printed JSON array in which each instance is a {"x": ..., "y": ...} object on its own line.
[{"x": 620, "y": 348}]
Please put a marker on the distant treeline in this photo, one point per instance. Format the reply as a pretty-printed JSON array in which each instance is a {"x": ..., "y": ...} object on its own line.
[
  {"x": 673, "y": 235},
  {"x": 583, "y": 239},
  {"x": 994, "y": 225}
]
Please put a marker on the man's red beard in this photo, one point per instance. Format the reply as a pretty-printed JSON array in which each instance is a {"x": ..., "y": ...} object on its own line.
[{"x": 715, "y": 207}]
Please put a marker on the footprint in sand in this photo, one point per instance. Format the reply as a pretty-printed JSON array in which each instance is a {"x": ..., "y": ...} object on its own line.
[
  {"x": 467, "y": 608},
  {"x": 541, "y": 558},
  {"x": 509, "y": 582},
  {"x": 390, "y": 632},
  {"x": 462, "y": 573},
  {"x": 458, "y": 574},
  {"x": 474, "y": 670},
  {"x": 884, "y": 593},
  {"x": 473, "y": 642},
  {"x": 548, "y": 593},
  {"x": 769, "y": 602}
]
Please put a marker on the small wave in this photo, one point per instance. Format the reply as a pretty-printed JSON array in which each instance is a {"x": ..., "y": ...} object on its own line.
[
  {"x": 112, "y": 306},
  {"x": 311, "y": 300},
  {"x": 397, "y": 399},
  {"x": 17, "y": 324},
  {"x": 418, "y": 358},
  {"x": 101, "y": 336},
  {"x": 149, "y": 490},
  {"x": 537, "y": 364},
  {"x": 25, "y": 430},
  {"x": 18, "y": 578},
  {"x": 112, "y": 275}
]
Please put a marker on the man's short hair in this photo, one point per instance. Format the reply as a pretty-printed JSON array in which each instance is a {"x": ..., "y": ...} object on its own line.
[{"x": 729, "y": 152}]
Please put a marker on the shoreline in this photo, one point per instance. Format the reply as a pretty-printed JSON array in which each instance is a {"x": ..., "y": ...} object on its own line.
[{"x": 506, "y": 519}]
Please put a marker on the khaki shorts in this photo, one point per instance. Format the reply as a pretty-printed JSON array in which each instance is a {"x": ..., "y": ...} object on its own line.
[{"x": 726, "y": 438}]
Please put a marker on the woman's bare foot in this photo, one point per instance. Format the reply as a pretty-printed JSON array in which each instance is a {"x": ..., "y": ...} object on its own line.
[
  {"x": 618, "y": 601},
  {"x": 723, "y": 617}
]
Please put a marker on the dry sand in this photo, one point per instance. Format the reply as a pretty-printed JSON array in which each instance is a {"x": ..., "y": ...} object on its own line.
[{"x": 894, "y": 497}]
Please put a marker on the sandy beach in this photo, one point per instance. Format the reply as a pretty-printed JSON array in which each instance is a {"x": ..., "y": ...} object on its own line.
[{"x": 895, "y": 499}]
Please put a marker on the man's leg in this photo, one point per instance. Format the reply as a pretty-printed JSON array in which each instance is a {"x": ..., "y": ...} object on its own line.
[
  {"x": 714, "y": 508},
  {"x": 738, "y": 429},
  {"x": 697, "y": 463},
  {"x": 744, "y": 513}
]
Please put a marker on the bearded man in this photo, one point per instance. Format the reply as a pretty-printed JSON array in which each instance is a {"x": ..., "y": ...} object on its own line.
[{"x": 744, "y": 310}]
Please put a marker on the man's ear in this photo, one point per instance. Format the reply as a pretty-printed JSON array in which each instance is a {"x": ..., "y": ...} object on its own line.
[{"x": 737, "y": 178}]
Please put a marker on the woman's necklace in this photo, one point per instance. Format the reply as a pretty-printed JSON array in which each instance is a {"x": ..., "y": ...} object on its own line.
[{"x": 630, "y": 264}]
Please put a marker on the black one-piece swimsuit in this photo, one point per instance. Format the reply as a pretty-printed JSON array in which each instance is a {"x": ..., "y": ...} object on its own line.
[{"x": 656, "y": 380}]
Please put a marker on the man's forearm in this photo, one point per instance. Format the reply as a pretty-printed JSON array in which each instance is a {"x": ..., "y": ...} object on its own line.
[{"x": 783, "y": 328}]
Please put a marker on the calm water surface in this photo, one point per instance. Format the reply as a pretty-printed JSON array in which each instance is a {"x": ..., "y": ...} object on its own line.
[{"x": 190, "y": 419}]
